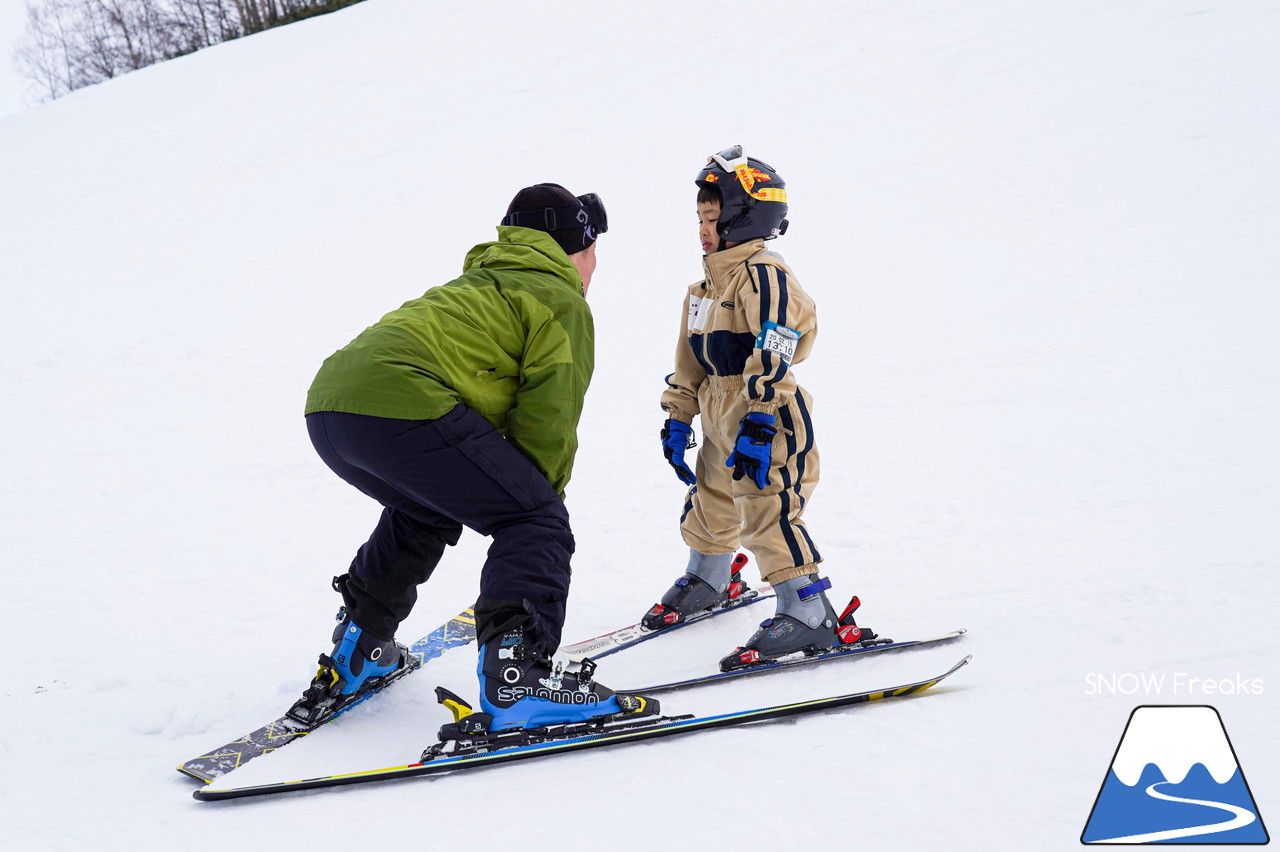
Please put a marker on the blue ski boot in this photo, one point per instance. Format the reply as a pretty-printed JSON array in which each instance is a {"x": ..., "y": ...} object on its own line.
[
  {"x": 804, "y": 622},
  {"x": 359, "y": 664},
  {"x": 359, "y": 657},
  {"x": 520, "y": 688}
]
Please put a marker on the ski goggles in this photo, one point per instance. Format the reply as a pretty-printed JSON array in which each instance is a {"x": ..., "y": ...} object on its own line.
[
  {"x": 729, "y": 159},
  {"x": 735, "y": 162},
  {"x": 590, "y": 216},
  {"x": 597, "y": 218}
]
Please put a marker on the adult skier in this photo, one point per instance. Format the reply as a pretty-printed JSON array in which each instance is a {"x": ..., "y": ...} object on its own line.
[
  {"x": 460, "y": 408},
  {"x": 743, "y": 328}
]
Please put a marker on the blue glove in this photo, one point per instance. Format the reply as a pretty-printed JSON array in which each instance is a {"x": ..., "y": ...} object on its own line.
[
  {"x": 753, "y": 450},
  {"x": 676, "y": 438}
]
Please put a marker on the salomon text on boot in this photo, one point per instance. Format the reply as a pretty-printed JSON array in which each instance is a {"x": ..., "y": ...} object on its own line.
[{"x": 520, "y": 688}]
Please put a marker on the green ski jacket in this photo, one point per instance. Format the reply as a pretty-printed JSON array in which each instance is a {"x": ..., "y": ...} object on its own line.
[{"x": 512, "y": 339}]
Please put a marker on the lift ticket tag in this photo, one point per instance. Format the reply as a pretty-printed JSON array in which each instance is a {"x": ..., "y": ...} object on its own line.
[{"x": 779, "y": 339}]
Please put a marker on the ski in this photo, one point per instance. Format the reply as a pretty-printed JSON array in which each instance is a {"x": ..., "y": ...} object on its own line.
[
  {"x": 634, "y": 634},
  {"x": 860, "y": 649},
  {"x": 454, "y": 633},
  {"x": 555, "y": 740}
]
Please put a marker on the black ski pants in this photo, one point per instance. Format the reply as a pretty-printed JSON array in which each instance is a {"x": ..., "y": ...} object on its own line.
[{"x": 434, "y": 477}]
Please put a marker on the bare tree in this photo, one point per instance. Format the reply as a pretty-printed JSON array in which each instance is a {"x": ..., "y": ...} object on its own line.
[
  {"x": 193, "y": 24},
  {"x": 70, "y": 44},
  {"x": 45, "y": 56}
]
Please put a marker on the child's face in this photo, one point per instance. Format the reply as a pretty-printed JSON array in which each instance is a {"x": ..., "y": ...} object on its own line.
[{"x": 708, "y": 216}]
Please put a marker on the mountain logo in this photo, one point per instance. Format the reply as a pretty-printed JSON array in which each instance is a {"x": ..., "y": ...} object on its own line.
[{"x": 1175, "y": 779}]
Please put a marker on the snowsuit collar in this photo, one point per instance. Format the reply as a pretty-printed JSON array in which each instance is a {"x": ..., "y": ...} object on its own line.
[
  {"x": 719, "y": 265},
  {"x": 524, "y": 248}
]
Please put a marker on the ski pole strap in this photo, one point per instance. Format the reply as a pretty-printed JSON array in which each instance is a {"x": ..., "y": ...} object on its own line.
[{"x": 814, "y": 589}]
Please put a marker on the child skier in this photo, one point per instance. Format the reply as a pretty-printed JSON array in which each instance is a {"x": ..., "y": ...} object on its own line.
[{"x": 743, "y": 328}]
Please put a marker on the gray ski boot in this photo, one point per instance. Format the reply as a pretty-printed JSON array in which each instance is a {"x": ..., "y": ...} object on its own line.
[
  {"x": 708, "y": 582},
  {"x": 804, "y": 622}
]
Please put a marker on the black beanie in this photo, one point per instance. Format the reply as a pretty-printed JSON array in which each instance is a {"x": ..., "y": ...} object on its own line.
[{"x": 535, "y": 199}]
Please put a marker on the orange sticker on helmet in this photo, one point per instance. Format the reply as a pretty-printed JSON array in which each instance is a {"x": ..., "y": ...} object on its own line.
[
  {"x": 747, "y": 176},
  {"x": 770, "y": 194}
]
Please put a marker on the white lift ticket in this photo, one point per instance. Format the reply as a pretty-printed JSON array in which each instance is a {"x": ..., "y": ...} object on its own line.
[{"x": 779, "y": 339}]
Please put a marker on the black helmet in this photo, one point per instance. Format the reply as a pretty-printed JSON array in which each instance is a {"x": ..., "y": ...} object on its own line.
[{"x": 753, "y": 196}]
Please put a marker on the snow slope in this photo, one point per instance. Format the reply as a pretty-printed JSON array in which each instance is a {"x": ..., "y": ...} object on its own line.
[{"x": 1042, "y": 241}]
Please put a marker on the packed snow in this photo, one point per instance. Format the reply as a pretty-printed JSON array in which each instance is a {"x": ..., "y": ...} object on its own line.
[{"x": 1042, "y": 241}]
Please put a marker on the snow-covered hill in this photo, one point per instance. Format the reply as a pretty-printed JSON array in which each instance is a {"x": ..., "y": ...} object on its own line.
[{"x": 1042, "y": 242}]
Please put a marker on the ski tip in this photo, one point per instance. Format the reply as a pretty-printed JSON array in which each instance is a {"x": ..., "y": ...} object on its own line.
[
  {"x": 958, "y": 666},
  {"x": 934, "y": 681}
]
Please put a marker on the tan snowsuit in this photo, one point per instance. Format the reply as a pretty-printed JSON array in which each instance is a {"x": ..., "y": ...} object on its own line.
[{"x": 731, "y": 360}]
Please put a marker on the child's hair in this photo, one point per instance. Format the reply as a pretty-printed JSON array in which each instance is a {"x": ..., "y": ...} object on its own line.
[{"x": 710, "y": 195}]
